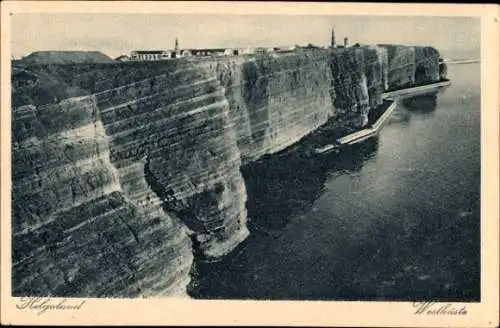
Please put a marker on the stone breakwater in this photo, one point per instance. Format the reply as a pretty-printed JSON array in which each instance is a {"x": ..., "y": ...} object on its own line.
[{"x": 123, "y": 172}]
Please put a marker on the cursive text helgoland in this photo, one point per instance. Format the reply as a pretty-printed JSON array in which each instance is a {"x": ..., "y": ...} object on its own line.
[{"x": 43, "y": 304}]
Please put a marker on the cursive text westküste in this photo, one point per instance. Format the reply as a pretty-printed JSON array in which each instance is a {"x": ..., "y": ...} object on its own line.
[{"x": 435, "y": 308}]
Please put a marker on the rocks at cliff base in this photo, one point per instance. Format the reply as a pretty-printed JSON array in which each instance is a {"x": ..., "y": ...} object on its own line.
[{"x": 443, "y": 71}]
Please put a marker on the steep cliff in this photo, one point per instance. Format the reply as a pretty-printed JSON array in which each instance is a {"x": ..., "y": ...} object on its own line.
[
  {"x": 275, "y": 101},
  {"x": 123, "y": 171},
  {"x": 401, "y": 66},
  {"x": 75, "y": 231},
  {"x": 376, "y": 71},
  {"x": 409, "y": 66},
  {"x": 426, "y": 65}
]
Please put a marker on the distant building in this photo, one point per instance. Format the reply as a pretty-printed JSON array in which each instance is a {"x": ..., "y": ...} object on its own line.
[
  {"x": 333, "y": 42},
  {"x": 261, "y": 50},
  {"x": 150, "y": 54},
  {"x": 206, "y": 52},
  {"x": 122, "y": 58},
  {"x": 141, "y": 55},
  {"x": 309, "y": 46},
  {"x": 285, "y": 49},
  {"x": 231, "y": 52},
  {"x": 176, "y": 53},
  {"x": 184, "y": 53},
  {"x": 176, "y": 48},
  {"x": 246, "y": 51}
]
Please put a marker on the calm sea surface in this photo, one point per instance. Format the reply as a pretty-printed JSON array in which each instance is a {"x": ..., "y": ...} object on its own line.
[{"x": 394, "y": 218}]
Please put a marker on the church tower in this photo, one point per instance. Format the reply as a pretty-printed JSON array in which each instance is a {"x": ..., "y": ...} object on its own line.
[
  {"x": 176, "y": 53},
  {"x": 333, "y": 43}
]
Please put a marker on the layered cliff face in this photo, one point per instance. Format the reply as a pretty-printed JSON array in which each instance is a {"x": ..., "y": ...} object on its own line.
[
  {"x": 275, "y": 101},
  {"x": 401, "y": 66},
  {"x": 377, "y": 73},
  {"x": 123, "y": 171},
  {"x": 177, "y": 124},
  {"x": 426, "y": 65},
  {"x": 349, "y": 84},
  {"x": 75, "y": 231},
  {"x": 170, "y": 143}
]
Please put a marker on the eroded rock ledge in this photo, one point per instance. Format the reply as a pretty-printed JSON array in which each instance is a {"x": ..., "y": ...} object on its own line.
[{"x": 123, "y": 171}]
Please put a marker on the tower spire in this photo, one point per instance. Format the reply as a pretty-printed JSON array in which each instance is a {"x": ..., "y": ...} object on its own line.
[
  {"x": 333, "y": 43},
  {"x": 176, "y": 45}
]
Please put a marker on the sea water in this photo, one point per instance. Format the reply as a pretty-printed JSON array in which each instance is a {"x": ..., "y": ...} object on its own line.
[{"x": 394, "y": 218}]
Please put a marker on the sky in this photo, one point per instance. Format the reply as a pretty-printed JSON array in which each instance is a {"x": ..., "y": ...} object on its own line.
[{"x": 116, "y": 34}]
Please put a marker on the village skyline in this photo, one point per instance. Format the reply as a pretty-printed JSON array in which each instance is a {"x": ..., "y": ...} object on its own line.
[{"x": 119, "y": 34}]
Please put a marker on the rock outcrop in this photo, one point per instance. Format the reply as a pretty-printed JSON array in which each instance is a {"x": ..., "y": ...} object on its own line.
[
  {"x": 401, "y": 66},
  {"x": 426, "y": 65},
  {"x": 123, "y": 171}
]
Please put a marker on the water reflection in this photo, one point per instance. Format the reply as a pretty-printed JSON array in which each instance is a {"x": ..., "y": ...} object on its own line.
[
  {"x": 279, "y": 188},
  {"x": 285, "y": 184},
  {"x": 399, "y": 116},
  {"x": 424, "y": 104}
]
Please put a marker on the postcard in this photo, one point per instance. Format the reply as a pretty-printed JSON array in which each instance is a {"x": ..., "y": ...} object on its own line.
[{"x": 234, "y": 163}]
